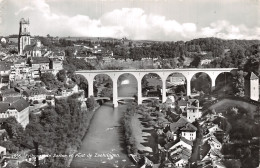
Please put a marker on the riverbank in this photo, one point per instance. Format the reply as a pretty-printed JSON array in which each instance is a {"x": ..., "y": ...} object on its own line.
[
  {"x": 87, "y": 124},
  {"x": 103, "y": 145}
]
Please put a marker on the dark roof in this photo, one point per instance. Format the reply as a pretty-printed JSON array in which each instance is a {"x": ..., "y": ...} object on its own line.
[
  {"x": 189, "y": 127},
  {"x": 20, "y": 104},
  {"x": 180, "y": 123},
  {"x": 29, "y": 47},
  {"x": 3, "y": 107},
  {"x": 11, "y": 99},
  {"x": 169, "y": 145},
  {"x": 9, "y": 91},
  {"x": 38, "y": 60},
  {"x": 34, "y": 91},
  {"x": 13, "y": 36},
  {"x": 251, "y": 76}
]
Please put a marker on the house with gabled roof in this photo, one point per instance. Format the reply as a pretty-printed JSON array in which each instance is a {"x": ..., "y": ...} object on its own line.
[
  {"x": 180, "y": 142},
  {"x": 210, "y": 128},
  {"x": 183, "y": 128},
  {"x": 8, "y": 93},
  {"x": 213, "y": 154},
  {"x": 189, "y": 132},
  {"x": 214, "y": 143},
  {"x": 18, "y": 109}
]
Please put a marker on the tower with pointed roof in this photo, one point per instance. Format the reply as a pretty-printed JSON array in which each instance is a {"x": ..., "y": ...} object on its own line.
[
  {"x": 24, "y": 35},
  {"x": 252, "y": 86}
]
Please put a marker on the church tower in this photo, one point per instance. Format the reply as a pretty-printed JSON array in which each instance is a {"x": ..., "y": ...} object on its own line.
[
  {"x": 24, "y": 35},
  {"x": 252, "y": 86}
]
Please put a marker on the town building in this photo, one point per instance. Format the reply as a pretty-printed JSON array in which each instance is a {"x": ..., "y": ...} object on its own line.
[
  {"x": 179, "y": 142},
  {"x": 183, "y": 128},
  {"x": 252, "y": 86},
  {"x": 189, "y": 132},
  {"x": 56, "y": 65},
  {"x": 9, "y": 93},
  {"x": 19, "y": 109},
  {"x": 34, "y": 94},
  {"x": 177, "y": 79},
  {"x": 35, "y": 50},
  {"x": 5, "y": 68},
  {"x": 24, "y": 35},
  {"x": 39, "y": 63},
  {"x": 193, "y": 110},
  {"x": 13, "y": 39}
]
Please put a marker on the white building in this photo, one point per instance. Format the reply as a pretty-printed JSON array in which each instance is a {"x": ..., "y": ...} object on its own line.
[
  {"x": 252, "y": 86},
  {"x": 18, "y": 109},
  {"x": 189, "y": 132}
]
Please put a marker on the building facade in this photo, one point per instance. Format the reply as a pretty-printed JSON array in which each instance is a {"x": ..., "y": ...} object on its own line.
[
  {"x": 252, "y": 86},
  {"x": 24, "y": 35}
]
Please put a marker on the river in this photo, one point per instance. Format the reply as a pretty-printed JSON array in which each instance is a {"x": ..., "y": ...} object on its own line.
[{"x": 103, "y": 145}]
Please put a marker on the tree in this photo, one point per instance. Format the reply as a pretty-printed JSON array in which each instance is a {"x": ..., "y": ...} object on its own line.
[
  {"x": 239, "y": 83},
  {"x": 49, "y": 80},
  {"x": 106, "y": 92},
  {"x": 90, "y": 102},
  {"x": 61, "y": 75}
]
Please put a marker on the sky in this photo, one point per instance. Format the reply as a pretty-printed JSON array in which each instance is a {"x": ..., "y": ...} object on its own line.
[{"x": 164, "y": 20}]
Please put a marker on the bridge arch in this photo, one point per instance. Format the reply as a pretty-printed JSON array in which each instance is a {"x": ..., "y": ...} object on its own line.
[
  {"x": 103, "y": 85},
  {"x": 201, "y": 81},
  {"x": 130, "y": 82},
  {"x": 224, "y": 82},
  {"x": 176, "y": 82},
  {"x": 151, "y": 84}
]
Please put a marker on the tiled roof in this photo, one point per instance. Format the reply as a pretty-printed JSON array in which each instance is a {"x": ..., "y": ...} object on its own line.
[
  {"x": 169, "y": 144},
  {"x": 9, "y": 91},
  {"x": 34, "y": 91},
  {"x": 11, "y": 99},
  {"x": 180, "y": 123},
  {"x": 3, "y": 107},
  {"x": 187, "y": 141},
  {"x": 38, "y": 60},
  {"x": 189, "y": 127},
  {"x": 20, "y": 104}
]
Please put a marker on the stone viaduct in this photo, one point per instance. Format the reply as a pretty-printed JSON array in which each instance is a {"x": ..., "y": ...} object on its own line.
[{"x": 140, "y": 73}]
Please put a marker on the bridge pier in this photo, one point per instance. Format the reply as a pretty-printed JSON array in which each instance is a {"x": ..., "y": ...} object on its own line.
[
  {"x": 90, "y": 89},
  {"x": 115, "y": 102},
  {"x": 139, "y": 91},
  {"x": 163, "y": 90},
  {"x": 188, "y": 86}
]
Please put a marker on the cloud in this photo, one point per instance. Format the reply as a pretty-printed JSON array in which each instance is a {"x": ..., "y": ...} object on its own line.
[
  {"x": 133, "y": 23},
  {"x": 26, "y": 8},
  {"x": 225, "y": 30}
]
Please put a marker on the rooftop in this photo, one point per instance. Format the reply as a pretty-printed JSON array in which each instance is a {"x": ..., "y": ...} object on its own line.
[
  {"x": 180, "y": 123},
  {"x": 189, "y": 127}
]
